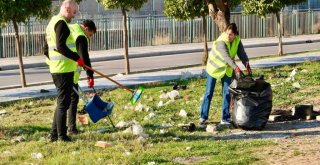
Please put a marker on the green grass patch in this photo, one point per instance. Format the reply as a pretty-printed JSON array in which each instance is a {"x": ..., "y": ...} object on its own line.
[{"x": 24, "y": 129}]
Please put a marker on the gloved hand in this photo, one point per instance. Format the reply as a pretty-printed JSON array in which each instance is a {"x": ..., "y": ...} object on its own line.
[
  {"x": 80, "y": 62},
  {"x": 239, "y": 73},
  {"x": 90, "y": 82},
  {"x": 249, "y": 69}
]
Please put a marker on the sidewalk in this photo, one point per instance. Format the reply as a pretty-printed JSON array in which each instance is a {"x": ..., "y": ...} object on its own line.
[
  {"x": 147, "y": 51},
  {"x": 145, "y": 78}
]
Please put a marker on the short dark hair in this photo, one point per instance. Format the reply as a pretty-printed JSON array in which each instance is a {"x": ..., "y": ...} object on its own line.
[
  {"x": 233, "y": 28},
  {"x": 90, "y": 25}
]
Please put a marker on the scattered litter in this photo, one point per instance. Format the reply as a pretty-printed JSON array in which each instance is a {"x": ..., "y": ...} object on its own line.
[
  {"x": 188, "y": 148},
  {"x": 151, "y": 163},
  {"x": 211, "y": 128},
  {"x": 44, "y": 91},
  {"x": 103, "y": 144},
  {"x": 2, "y": 112},
  {"x": 176, "y": 138},
  {"x": 162, "y": 131},
  {"x": 173, "y": 94},
  {"x": 164, "y": 125},
  {"x": 31, "y": 103},
  {"x": 145, "y": 96},
  {"x": 137, "y": 129},
  {"x": 75, "y": 153},
  {"x": 177, "y": 86},
  {"x": 160, "y": 104},
  {"x": 37, "y": 155},
  {"x": 127, "y": 152},
  {"x": 304, "y": 71},
  {"x": 42, "y": 139},
  {"x": 168, "y": 102},
  {"x": 102, "y": 130},
  {"x": 147, "y": 108},
  {"x": 296, "y": 85},
  {"x": 139, "y": 107},
  {"x": 293, "y": 73},
  {"x": 186, "y": 97},
  {"x": 122, "y": 124},
  {"x": 163, "y": 96},
  {"x": 183, "y": 113},
  {"x": 188, "y": 127},
  {"x": 150, "y": 116},
  {"x": 126, "y": 107},
  {"x": 18, "y": 139},
  {"x": 83, "y": 119}
]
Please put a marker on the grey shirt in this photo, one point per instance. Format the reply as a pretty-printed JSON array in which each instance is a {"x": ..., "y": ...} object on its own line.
[{"x": 223, "y": 49}]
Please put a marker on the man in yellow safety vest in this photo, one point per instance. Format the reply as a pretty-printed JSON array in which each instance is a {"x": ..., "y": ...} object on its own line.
[
  {"x": 220, "y": 65},
  {"x": 62, "y": 64}
]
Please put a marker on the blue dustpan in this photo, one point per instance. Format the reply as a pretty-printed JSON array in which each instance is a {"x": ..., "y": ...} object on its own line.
[{"x": 98, "y": 109}]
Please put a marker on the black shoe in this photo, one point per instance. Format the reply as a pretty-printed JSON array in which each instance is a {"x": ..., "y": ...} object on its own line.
[
  {"x": 72, "y": 131},
  {"x": 52, "y": 138},
  {"x": 65, "y": 139}
]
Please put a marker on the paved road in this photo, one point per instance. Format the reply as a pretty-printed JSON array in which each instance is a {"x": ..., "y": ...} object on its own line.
[{"x": 41, "y": 74}]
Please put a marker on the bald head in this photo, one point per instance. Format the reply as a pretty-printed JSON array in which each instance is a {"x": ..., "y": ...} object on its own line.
[{"x": 68, "y": 9}]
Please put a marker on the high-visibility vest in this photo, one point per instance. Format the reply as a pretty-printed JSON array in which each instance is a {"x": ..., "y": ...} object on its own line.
[
  {"x": 57, "y": 62},
  {"x": 76, "y": 31},
  {"x": 217, "y": 66}
]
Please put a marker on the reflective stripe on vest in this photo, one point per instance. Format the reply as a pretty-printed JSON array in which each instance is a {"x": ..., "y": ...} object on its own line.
[
  {"x": 71, "y": 45},
  {"x": 76, "y": 31},
  {"x": 57, "y": 62},
  {"x": 217, "y": 67}
]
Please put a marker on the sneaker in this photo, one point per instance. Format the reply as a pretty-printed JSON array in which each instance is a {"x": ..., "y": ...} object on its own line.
[
  {"x": 73, "y": 131},
  {"x": 52, "y": 138},
  {"x": 65, "y": 139},
  {"x": 225, "y": 122},
  {"x": 202, "y": 122}
]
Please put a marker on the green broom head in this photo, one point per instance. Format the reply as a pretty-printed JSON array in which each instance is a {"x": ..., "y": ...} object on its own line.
[{"x": 136, "y": 95}]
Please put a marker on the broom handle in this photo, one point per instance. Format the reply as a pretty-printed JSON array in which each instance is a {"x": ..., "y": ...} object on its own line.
[{"x": 105, "y": 76}]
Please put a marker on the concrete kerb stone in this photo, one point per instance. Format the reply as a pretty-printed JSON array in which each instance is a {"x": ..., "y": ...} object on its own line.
[{"x": 159, "y": 53}]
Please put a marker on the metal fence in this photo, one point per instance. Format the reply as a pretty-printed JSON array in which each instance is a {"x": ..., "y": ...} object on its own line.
[{"x": 157, "y": 30}]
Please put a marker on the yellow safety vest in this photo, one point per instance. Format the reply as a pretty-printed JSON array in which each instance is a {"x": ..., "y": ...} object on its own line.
[
  {"x": 76, "y": 31},
  {"x": 217, "y": 67},
  {"x": 57, "y": 62}
]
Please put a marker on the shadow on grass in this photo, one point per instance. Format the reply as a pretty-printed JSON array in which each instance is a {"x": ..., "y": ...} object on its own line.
[
  {"x": 271, "y": 131},
  {"x": 24, "y": 130}
]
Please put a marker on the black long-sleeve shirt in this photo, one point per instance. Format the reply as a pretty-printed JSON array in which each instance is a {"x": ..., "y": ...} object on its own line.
[
  {"x": 223, "y": 49},
  {"x": 82, "y": 48},
  {"x": 62, "y": 33}
]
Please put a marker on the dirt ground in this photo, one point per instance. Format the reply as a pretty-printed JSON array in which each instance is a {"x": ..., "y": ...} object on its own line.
[{"x": 297, "y": 142}]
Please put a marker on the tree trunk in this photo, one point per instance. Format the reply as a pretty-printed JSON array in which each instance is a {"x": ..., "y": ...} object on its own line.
[
  {"x": 205, "y": 49},
  {"x": 280, "y": 49},
  {"x": 19, "y": 53},
  {"x": 125, "y": 41},
  {"x": 220, "y": 13}
]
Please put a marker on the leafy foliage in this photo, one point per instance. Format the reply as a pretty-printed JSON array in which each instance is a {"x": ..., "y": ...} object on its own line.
[
  {"x": 185, "y": 9},
  {"x": 122, "y": 4},
  {"x": 21, "y": 10},
  {"x": 264, "y": 7}
]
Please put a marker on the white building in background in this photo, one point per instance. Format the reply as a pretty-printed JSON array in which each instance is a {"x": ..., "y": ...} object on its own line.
[{"x": 92, "y": 8}]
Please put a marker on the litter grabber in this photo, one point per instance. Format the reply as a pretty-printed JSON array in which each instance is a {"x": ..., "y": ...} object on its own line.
[
  {"x": 135, "y": 93},
  {"x": 95, "y": 107}
]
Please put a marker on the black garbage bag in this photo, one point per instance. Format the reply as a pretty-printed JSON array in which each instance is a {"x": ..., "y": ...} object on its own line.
[{"x": 252, "y": 103}]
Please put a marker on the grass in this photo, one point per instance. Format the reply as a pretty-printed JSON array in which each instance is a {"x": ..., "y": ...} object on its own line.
[{"x": 23, "y": 130}]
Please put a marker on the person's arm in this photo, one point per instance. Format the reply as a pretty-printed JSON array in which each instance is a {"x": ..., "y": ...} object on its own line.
[
  {"x": 242, "y": 54},
  {"x": 223, "y": 49},
  {"x": 62, "y": 33},
  {"x": 82, "y": 48}
]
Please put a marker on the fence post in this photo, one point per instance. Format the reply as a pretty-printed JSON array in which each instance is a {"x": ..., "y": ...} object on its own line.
[
  {"x": 1, "y": 45},
  {"x": 106, "y": 36},
  {"x": 129, "y": 30},
  {"x": 29, "y": 43},
  {"x": 191, "y": 30}
]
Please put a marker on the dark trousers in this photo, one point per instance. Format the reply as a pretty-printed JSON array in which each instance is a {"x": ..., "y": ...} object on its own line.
[
  {"x": 64, "y": 84},
  {"x": 72, "y": 112}
]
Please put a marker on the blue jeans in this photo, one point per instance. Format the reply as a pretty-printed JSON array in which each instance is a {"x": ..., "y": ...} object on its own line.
[{"x": 208, "y": 94}]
